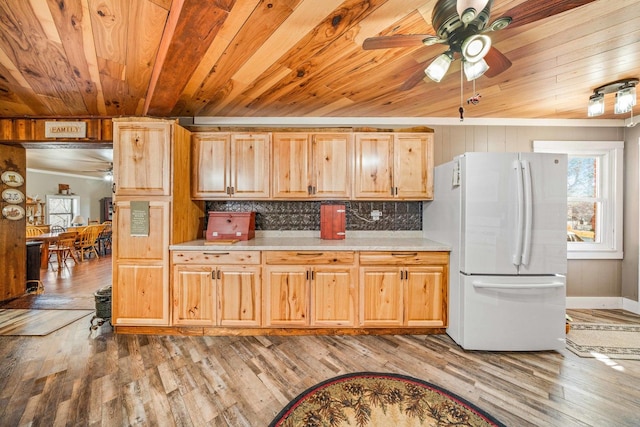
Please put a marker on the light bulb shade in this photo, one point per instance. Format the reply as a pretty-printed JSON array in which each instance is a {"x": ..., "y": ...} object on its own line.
[
  {"x": 625, "y": 100},
  {"x": 596, "y": 105},
  {"x": 469, "y": 9},
  {"x": 77, "y": 220},
  {"x": 439, "y": 67},
  {"x": 475, "y": 47},
  {"x": 473, "y": 70}
]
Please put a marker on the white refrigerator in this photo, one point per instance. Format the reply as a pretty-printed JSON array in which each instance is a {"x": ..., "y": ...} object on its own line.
[{"x": 504, "y": 216}]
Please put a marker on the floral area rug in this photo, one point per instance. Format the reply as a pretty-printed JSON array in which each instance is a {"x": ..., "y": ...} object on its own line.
[
  {"x": 368, "y": 399},
  {"x": 611, "y": 340}
]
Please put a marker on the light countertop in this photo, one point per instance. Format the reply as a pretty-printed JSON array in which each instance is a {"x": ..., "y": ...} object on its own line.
[{"x": 303, "y": 241}]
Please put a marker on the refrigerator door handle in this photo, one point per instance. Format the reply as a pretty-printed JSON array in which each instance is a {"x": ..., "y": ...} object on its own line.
[
  {"x": 489, "y": 285},
  {"x": 528, "y": 214},
  {"x": 517, "y": 254}
]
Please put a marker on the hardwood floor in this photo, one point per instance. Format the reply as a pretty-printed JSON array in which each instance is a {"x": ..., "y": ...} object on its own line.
[{"x": 78, "y": 377}]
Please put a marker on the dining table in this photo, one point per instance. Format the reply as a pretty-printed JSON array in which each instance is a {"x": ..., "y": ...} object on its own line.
[{"x": 46, "y": 239}]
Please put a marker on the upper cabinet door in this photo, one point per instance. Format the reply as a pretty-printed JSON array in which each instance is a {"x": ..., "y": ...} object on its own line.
[
  {"x": 211, "y": 162},
  {"x": 250, "y": 162},
  {"x": 291, "y": 166},
  {"x": 331, "y": 154},
  {"x": 394, "y": 166},
  {"x": 373, "y": 166},
  {"x": 227, "y": 165},
  {"x": 413, "y": 166},
  {"x": 142, "y": 158}
]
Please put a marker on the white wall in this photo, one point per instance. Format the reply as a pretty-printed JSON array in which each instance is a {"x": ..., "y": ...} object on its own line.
[
  {"x": 631, "y": 227},
  {"x": 89, "y": 190}
]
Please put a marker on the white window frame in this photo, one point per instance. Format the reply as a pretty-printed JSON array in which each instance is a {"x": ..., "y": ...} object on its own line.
[
  {"x": 75, "y": 205},
  {"x": 610, "y": 227}
]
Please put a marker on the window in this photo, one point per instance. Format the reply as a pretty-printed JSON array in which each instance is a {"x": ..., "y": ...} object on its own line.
[
  {"x": 61, "y": 209},
  {"x": 594, "y": 196}
]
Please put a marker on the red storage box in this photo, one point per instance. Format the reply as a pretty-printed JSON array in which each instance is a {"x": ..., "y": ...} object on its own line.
[
  {"x": 332, "y": 222},
  {"x": 231, "y": 226}
]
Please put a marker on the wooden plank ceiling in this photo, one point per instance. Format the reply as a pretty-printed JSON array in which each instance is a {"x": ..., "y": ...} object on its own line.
[{"x": 295, "y": 58}]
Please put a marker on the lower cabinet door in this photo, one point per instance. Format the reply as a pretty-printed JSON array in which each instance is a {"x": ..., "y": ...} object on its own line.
[
  {"x": 333, "y": 296},
  {"x": 286, "y": 299},
  {"x": 239, "y": 295},
  {"x": 193, "y": 296},
  {"x": 381, "y": 293},
  {"x": 140, "y": 294},
  {"x": 424, "y": 296}
]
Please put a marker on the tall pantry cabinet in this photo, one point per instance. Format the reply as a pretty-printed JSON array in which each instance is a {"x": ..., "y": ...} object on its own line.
[{"x": 152, "y": 210}]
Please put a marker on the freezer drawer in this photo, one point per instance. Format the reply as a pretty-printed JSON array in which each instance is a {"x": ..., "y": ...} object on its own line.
[{"x": 512, "y": 313}]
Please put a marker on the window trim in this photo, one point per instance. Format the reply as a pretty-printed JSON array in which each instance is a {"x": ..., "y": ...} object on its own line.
[{"x": 611, "y": 227}]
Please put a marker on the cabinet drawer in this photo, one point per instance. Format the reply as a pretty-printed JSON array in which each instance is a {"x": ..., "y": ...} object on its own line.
[
  {"x": 403, "y": 258},
  {"x": 309, "y": 257},
  {"x": 216, "y": 257}
]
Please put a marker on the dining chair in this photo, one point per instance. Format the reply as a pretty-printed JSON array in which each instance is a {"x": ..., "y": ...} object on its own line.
[
  {"x": 104, "y": 239},
  {"x": 34, "y": 231},
  {"x": 63, "y": 248},
  {"x": 88, "y": 240},
  {"x": 58, "y": 229}
]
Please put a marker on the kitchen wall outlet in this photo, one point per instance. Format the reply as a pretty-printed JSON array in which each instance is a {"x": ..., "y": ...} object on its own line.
[{"x": 376, "y": 215}]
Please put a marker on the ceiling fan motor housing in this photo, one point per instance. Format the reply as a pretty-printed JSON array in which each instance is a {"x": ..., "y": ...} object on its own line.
[{"x": 449, "y": 26}]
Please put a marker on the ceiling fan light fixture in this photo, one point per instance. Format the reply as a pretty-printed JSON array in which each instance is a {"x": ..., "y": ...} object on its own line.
[
  {"x": 469, "y": 9},
  {"x": 596, "y": 105},
  {"x": 439, "y": 67},
  {"x": 473, "y": 70},
  {"x": 475, "y": 47},
  {"x": 625, "y": 99}
]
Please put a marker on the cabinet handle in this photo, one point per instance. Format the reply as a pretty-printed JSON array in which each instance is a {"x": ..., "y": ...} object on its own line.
[
  {"x": 215, "y": 253},
  {"x": 218, "y": 275},
  {"x": 314, "y": 190},
  {"x": 392, "y": 191},
  {"x": 396, "y": 191},
  {"x": 308, "y": 253},
  {"x": 404, "y": 254},
  {"x": 113, "y": 188},
  {"x": 309, "y": 189},
  {"x": 312, "y": 275},
  {"x": 233, "y": 190},
  {"x": 307, "y": 275},
  {"x": 228, "y": 190}
]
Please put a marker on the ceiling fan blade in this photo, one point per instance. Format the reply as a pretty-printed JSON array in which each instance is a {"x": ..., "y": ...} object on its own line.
[
  {"x": 497, "y": 62},
  {"x": 399, "y": 40},
  {"x": 535, "y": 10},
  {"x": 413, "y": 80}
]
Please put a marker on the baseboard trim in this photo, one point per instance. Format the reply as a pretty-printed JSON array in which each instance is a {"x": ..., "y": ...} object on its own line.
[{"x": 604, "y": 303}]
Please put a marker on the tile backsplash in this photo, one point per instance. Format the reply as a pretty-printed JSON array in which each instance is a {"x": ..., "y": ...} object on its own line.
[{"x": 287, "y": 215}]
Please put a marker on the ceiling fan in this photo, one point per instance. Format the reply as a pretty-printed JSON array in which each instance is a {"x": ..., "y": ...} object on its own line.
[{"x": 463, "y": 25}]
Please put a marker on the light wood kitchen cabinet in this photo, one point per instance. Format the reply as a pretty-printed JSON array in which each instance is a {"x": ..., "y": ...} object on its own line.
[
  {"x": 393, "y": 166},
  {"x": 403, "y": 289},
  {"x": 310, "y": 289},
  {"x": 216, "y": 288},
  {"x": 141, "y": 165},
  {"x": 151, "y": 166},
  {"x": 140, "y": 288},
  {"x": 230, "y": 165},
  {"x": 311, "y": 165}
]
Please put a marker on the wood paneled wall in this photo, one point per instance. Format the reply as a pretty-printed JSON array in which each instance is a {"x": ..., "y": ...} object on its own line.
[
  {"x": 585, "y": 278},
  {"x": 13, "y": 249},
  {"x": 33, "y": 130}
]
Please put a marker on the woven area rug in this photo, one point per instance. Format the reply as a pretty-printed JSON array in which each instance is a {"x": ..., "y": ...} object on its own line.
[
  {"x": 38, "y": 322},
  {"x": 368, "y": 399},
  {"x": 612, "y": 340}
]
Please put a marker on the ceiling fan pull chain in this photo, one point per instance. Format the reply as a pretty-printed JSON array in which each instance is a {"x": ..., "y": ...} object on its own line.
[{"x": 461, "y": 109}]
